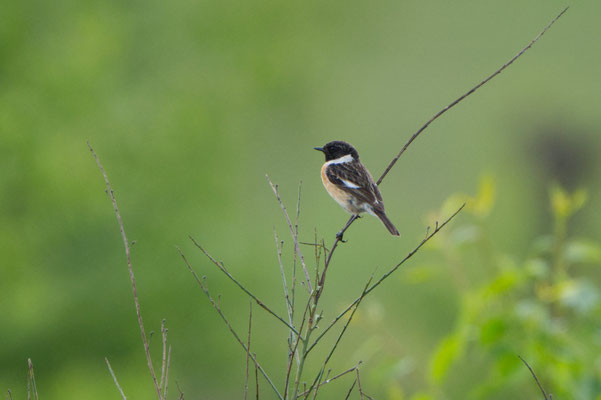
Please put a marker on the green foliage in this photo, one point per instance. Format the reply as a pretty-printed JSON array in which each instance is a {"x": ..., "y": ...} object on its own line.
[{"x": 543, "y": 307}]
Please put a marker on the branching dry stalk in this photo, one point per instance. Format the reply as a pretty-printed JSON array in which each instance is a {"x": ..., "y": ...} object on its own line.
[
  {"x": 108, "y": 364},
  {"x": 32, "y": 389},
  {"x": 293, "y": 232},
  {"x": 299, "y": 339},
  {"x": 217, "y": 308},
  {"x": 250, "y": 321},
  {"x": 429, "y": 236},
  {"x": 244, "y": 289},
  {"x": 132, "y": 278}
]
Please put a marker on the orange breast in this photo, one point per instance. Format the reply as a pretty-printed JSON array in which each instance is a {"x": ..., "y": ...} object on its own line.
[{"x": 341, "y": 197}]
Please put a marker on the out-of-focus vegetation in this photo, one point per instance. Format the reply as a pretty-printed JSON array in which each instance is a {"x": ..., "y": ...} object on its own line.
[
  {"x": 543, "y": 305},
  {"x": 189, "y": 104}
]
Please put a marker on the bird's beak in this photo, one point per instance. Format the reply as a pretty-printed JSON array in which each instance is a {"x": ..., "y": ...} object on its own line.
[{"x": 319, "y": 148}]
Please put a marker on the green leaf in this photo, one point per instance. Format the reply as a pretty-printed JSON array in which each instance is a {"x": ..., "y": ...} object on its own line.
[
  {"x": 560, "y": 202},
  {"x": 504, "y": 282},
  {"x": 422, "y": 396},
  {"x": 582, "y": 251},
  {"x": 537, "y": 268},
  {"x": 564, "y": 204},
  {"x": 449, "y": 350},
  {"x": 484, "y": 201},
  {"x": 580, "y": 295},
  {"x": 395, "y": 392},
  {"x": 465, "y": 234},
  {"x": 492, "y": 331}
]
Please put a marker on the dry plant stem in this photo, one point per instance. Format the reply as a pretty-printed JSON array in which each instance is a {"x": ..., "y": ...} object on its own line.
[
  {"x": 340, "y": 375},
  {"x": 167, "y": 373},
  {"x": 131, "y": 273},
  {"x": 359, "y": 386},
  {"x": 429, "y": 236},
  {"x": 537, "y": 381},
  {"x": 298, "y": 203},
  {"x": 292, "y": 233},
  {"x": 317, "y": 380},
  {"x": 294, "y": 350},
  {"x": 466, "y": 94},
  {"x": 256, "y": 379},
  {"x": 227, "y": 323},
  {"x": 351, "y": 390},
  {"x": 295, "y": 254},
  {"x": 31, "y": 386},
  {"x": 222, "y": 269},
  {"x": 108, "y": 364},
  {"x": 303, "y": 353},
  {"x": 164, "y": 358},
  {"x": 250, "y": 320},
  {"x": 289, "y": 307},
  {"x": 179, "y": 390}
]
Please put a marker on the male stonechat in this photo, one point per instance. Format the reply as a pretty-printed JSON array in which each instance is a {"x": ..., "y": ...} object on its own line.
[{"x": 351, "y": 184}]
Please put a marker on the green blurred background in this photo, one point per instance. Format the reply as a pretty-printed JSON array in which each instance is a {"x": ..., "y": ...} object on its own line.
[{"x": 190, "y": 103}]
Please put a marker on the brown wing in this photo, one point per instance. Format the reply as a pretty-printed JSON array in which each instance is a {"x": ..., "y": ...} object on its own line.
[{"x": 355, "y": 179}]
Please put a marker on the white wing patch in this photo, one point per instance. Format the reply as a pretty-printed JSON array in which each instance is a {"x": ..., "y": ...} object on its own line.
[{"x": 349, "y": 184}]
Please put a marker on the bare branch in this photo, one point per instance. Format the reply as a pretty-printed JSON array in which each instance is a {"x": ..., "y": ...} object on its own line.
[
  {"x": 536, "y": 379},
  {"x": 339, "y": 338},
  {"x": 250, "y": 320},
  {"x": 167, "y": 373},
  {"x": 340, "y": 375},
  {"x": 293, "y": 233},
  {"x": 278, "y": 246},
  {"x": 359, "y": 385},
  {"x": 293, "y": 290},
  {"x": 351, "y": 389},
  {"x": 227, "y": 323},
  {"x": 179, "y": 390},
  {"x": 386, "y": 275},
  {"x": 108, "y": 364},
  {"x": 245, "y": 290},
  {"x": 131, "y": 273},
  {"x": 466, "y": 94},
  {"x": 256, "y": 379},
  {"x": 164, "y": 358},
  {"x": 31, "y": 386}
]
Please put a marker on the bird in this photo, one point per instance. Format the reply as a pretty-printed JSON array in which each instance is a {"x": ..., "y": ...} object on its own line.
[{"x": 350, "y": 183}]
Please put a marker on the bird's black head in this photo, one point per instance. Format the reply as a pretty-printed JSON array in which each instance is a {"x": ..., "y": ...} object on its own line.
[{"x": 337, "y": 149}]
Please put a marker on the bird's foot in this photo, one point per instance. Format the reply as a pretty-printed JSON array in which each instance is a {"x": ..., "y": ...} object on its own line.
[{"x": 339, "y": 236}]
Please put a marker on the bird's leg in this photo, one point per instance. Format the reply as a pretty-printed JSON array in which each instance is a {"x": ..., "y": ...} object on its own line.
[{"x": 340, "y": 234}]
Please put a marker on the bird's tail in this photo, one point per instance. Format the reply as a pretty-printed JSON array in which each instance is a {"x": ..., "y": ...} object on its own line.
[{"x": 382, "y": 215}]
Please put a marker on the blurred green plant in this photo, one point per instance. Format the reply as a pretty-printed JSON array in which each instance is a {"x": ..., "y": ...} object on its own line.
[{"x": 541, "y": 306}]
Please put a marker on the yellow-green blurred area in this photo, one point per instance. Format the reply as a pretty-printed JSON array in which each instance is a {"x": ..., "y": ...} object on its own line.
[{"x": 190, "y": 103}]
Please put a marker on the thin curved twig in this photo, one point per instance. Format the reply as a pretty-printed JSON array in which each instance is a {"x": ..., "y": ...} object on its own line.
[
  {"x": 466, "y": 94},
  {"x": 536, "y": 379},
  {"x": 130, "y": 268}
]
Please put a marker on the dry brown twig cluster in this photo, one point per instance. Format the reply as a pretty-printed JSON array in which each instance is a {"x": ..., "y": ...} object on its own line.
[{"x": 301, "y": 326}]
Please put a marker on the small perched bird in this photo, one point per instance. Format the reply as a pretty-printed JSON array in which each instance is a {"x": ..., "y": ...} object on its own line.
[{"x": 350, "y": 183}]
